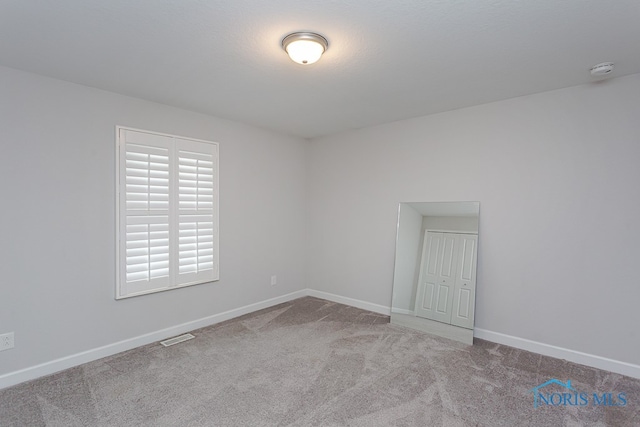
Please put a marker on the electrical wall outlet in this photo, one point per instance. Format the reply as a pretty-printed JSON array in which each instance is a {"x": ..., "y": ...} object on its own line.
[
  {"x": 6, "y": 341},
  {"x": 274, "y": 280}
]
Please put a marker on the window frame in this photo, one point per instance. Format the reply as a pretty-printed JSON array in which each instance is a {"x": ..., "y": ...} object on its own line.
[{"x": 175, "y": 214}]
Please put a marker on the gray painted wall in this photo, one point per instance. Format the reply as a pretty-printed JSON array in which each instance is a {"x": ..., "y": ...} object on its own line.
[
  {"x": 58, "y": 217},
  {"x": 556, "y": 175},
  {"x": 406, "y": 257},
  {"x": 549, "y": 171}
]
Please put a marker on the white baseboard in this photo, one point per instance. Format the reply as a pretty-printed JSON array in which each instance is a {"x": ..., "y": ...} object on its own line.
[
  {"x": 48, "y": 368},
  {"x": 599, "y": 362},
  {"x": 403, "y": 311},
  {"x": 376, "y": 308},
  {"x": 57, "y": 365}
]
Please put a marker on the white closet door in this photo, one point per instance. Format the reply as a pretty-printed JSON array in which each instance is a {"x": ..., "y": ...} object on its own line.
[
  {"x": 437, "y": 277},
  {"x": 425, "y": 297},
  {"x": 464, "y": 295}
]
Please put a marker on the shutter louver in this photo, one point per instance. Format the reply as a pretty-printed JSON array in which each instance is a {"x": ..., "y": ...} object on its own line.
[{"x": 167, "y": 212}]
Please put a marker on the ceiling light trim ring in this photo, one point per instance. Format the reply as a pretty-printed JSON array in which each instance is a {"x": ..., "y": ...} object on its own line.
[{"x": 305, "y": 36}]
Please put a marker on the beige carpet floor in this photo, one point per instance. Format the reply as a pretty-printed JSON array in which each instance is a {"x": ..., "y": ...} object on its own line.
[{"x": 311, "y": 362}]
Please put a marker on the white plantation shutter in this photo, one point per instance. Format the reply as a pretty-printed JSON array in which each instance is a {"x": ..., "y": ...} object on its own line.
[
  {"x": 167, "y": 212},
  {"x": 197, "y": 204}
]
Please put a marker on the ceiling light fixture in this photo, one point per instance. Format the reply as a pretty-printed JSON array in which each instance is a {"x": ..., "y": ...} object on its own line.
[{"x": 305, "y": 48}]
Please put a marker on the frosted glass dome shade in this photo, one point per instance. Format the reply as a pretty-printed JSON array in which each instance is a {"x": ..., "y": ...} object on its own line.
[{"x": 304, "y": 48}]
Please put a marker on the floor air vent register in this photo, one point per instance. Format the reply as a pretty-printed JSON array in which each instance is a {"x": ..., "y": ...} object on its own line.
[{"x": 177, "y": 340}]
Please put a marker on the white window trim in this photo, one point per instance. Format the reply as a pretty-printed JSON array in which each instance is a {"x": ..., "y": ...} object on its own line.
[{"x": 174, "y": 215}]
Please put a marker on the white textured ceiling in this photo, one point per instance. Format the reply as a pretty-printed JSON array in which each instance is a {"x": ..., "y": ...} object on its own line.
[{"x": 387, "y": 60}]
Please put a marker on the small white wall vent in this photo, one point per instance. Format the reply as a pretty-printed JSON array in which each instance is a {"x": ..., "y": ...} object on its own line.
[{"x": 177, "y": 340}]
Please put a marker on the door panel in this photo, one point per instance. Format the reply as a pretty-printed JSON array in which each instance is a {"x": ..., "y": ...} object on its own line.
[
  {"x": 446, "y": 276},
  {"x": 437, "y": 277},
  {"x": 444, "y": 300},
  {"x": 427, "y": 288},
  {"x": 427, "y": 301},
  {"x": 465, "y": 284},
  {"x": 443, "y": 296},
  {"x": 468, "y": 258},
  {"x": 462, "y": 308},
  {"x": 433, "y": 243},
  {"x": 448, "y": 263}
]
